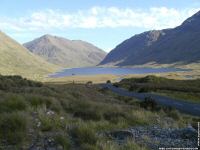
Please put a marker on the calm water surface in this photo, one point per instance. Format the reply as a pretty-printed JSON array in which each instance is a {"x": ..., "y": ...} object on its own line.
[{"x": 114, "y": 71}]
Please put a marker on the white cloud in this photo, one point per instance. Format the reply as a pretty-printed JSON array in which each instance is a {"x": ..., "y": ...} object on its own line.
[{"x": 98, "y": 17}]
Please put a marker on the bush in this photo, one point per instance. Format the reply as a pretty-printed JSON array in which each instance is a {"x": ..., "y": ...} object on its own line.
[
  {"x": 35, "y": 101},
  {"x": 13, "y": 103},
  {"x": 51, "y": 122},
  {"x": 174, "y": 114},
  {"x": 144, "y": 90},
  {"x": 84, "y": 135},
  {"x": 149, "y": 104},
  {"x": 114, "y": 117},
  {"x": 89, "y": 83},
  {"x": 131, "y": 145},
  {"x": 13, "y": 127},
  {"x": 108, "y": 81},
  {"x": 131, "y": 88},
  {"x": 47, "y": 123},
  {"x": 124, "y": 99},
  {"x": 88, "y": 147},
  {"x": 85, "y": 110},
  {"x": 10, "y": 83},
  {"x": 116, "y": 85},
  {"x": 88, "y": 115},
  {"x": 63, "y": 140},
  {"x": 104, "y": 90}
]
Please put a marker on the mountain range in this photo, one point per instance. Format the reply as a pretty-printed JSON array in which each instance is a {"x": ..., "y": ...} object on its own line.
[
  {"x": 179, "y": 45},
  {"x": 47, "y": 54},
  {"x": 66, "y": 53}
]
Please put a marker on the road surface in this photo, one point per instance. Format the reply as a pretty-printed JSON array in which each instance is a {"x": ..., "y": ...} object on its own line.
[{"x": 181, "y": 105}]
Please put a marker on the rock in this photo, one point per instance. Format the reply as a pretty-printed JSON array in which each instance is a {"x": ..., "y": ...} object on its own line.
[
  {"x": 121, "y": 135},
  {"x": 38, "y": 124},
  {"x": 155, "y": 136},
  {"x": 50, "y": 113},
  {"x": 189, "y": 133},
  {"x": 62, "y": 118}
]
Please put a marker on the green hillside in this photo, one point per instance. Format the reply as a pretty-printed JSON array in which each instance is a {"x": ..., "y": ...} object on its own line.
[{"x": 17, "y": 60}]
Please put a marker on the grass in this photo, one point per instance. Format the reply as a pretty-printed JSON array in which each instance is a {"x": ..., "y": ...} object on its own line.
[
  {"x": 187, "y": 90},
  {"x": 13, "y": 128},
  {"x": 63, "y": 140},
  {"x": 84, "y": 135},
  {"x": 73, "y": 115},
  {"x": 13, "y": 103},
  {"x": 189, "y": 97},
  {"x": 84, "y": 79},
  {"x": 133, "y": 146},
  {"x": 18, "y": 60}
]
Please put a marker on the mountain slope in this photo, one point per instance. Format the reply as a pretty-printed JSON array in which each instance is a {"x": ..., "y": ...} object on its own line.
[
  {"x": 169, "y": 46},
  {"x": 17, "y": 60},
  {"x": 66, "y": 53}
]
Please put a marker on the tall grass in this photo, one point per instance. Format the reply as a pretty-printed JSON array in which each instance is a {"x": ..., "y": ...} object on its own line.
[
  {"x": 13, "y": 128},
  {"x": 78, "y": 115},
  {"x": 13, "y": 103}
]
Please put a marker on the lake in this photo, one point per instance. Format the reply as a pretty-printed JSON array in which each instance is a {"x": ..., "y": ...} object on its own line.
[{"x": 113, "y": 71}]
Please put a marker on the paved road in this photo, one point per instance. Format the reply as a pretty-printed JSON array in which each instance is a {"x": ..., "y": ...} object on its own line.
[{"x": 186, "y": 107}]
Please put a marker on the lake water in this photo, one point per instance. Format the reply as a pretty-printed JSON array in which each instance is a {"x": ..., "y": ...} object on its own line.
[{"x": 114, "y": 71}]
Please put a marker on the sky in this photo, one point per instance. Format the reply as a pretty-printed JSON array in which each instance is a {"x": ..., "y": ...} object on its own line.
[{"x": 104, "y": 23}]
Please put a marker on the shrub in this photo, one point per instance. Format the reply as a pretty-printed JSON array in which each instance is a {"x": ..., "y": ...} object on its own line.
[
  {"x": 46, "y": 124},
  {"x": 35, "y": 101},
  {"x": 54, "y": 105},
  {"x": 12, "y": 82},
  {"x": 85, "y": 110},
  {"x": 88, "y": 147},
  {"x": 108, "y": 81},
  {"x": 13, "y": 103},
  {"x": 89, "y": 83},
  {"x": 88, "y": 114},
  {"x": 76, "y": 95},
  {"x": 51, "y": 122},
  {"x": 124, "y": 99},
  {"x": 174, "y": 114},
  {"x": 143, "y": 117},
  {"x": 149, "y": 104},
  {"x": 113, "y": 116},
  {"x": 131, "y": 145},
  {"x": 116, "y": 85},
  {"x": 13, "y": 127},
  {"x": 131, "y": 88},
  {"x": 104, "y": 90},
  {"x": 84, "y": 135},
  {"x": 144, "y": 90},
  {"x": 63, "y": 140}
]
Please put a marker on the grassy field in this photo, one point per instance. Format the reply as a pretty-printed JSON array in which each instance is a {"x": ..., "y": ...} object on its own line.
[
  {"x": 84, "y": 79},
  {"x": 188, "y": 90},
  {"x": 72, "y": 115}
]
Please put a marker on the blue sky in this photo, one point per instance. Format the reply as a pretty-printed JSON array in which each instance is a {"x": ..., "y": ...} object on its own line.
[{"x": 103, "y": 23}]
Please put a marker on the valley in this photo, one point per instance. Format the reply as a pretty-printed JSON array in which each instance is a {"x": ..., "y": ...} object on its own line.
[{"x": 58, "y": 92}]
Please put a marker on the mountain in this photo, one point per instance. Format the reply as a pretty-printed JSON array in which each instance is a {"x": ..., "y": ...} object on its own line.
[
  {"x": 17, "y": 60},
  {"x": 66, "y": 53},
  {"x": 180, "y": 45}
]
